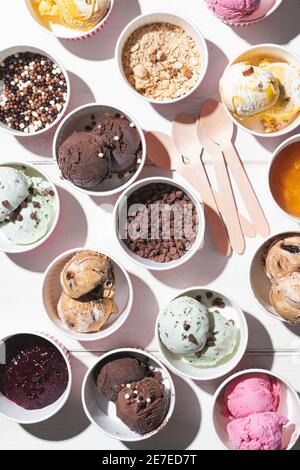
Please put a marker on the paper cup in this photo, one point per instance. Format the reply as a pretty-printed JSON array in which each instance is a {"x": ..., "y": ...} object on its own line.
[
  {"x": 260, "y": 283},
  {"x": 289, "y": 407},
  {"x": 285, "y": 144},
  {"x": 282, "y": 54},
  {"x": 102, "y": 413},
  {"x": 62, "y": 32},
  {"x": 21, "y": 49},
  {"x": 121, "y": 211},
  {"x": 265, "y": 10},
  {"x": 77, "y": 120},
  {"x": 184, "y": 369},
  {"x": 163, "y": 17},
  {"x": 17, "y": 414},
  {"x": 6, "y": 245},
  {"x": 51, "y": 292}
]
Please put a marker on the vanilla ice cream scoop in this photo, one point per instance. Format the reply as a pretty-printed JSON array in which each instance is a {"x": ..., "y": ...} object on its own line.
[
  {"x": 247, "y": 90},
  {"x": 289, "y": 102},
  {"x": 77, "y": 14},
  {"x": 13, "y": 190}
]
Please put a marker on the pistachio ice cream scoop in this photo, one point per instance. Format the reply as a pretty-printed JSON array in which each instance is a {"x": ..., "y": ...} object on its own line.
[{"x": 247, "y": 90}]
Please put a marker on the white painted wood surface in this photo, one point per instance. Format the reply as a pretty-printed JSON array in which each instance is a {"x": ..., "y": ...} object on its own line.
[{"x": 88, "y": 221}]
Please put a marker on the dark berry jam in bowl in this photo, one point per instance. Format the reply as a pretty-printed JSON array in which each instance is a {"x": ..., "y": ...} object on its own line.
[
  {"x": 34, "y": 91},
  {"x": 35, "y": 377}
]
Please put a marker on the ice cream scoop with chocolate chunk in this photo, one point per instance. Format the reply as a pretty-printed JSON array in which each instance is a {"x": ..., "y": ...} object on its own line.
[
  {"x": 282, "y": 257},
  {"x": 82, "y": 162},
  {"x": 121, "y": 141},
  {"x": 184, "y": 326},
  {"x": 143, "y": 406},
  {"x": 87, "y": 301},
  {"x": 285, "y": 296},
  {"x": 119, "y": 373},
  {"x": 86, "y": 271}
]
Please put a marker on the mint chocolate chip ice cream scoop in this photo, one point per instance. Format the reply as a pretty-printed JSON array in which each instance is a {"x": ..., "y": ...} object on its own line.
[{"x": 184, "y": 326}]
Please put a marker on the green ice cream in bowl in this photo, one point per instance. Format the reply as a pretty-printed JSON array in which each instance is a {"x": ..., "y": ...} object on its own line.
[
  {"x": 202, "y": 334},
  {"x": 29, "y": 207}
]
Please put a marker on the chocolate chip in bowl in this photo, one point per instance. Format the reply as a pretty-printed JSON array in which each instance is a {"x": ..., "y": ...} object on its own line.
[
  {"x": 159, "y": 223},
  {"x": 99, "y": 149},
  {"x": 34, "y": 91}
]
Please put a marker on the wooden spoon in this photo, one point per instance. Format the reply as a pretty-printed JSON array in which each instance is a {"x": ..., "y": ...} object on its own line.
[
  {"x": 229, "y": 213},
  {"x": 187, "y": 144},
  {"x": 220, "y": 129},
  {"x": 162, "y": 152}
]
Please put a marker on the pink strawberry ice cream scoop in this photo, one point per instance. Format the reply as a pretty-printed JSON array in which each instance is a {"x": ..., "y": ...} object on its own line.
[
  {"x": 233, "y": 10},
  {"x": 252, "y": 393},
  {"x": 260, "y": 431}
]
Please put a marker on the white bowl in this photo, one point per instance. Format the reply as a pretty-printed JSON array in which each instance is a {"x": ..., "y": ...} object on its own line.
[
  {"x": 102, "y": 413},
  {"x": 63, "y": 32},
  {"x": 77, "y": 120},
  {"x": 17, "y": 414},
  {"x": 232, "y": 312},
  {"x": 289, "y": 407},
  {"x": 284, "y": 55},
  {"x": 20, "y": 49},
  {"x": 121, "y": 206},
  {"x": 285, "y": 144},
  {"x": 163, "y": 17},
  {"x": 6, "y": 245},
  {"x": 52, "y": 290},
  {"x": 259, "y": 281}
]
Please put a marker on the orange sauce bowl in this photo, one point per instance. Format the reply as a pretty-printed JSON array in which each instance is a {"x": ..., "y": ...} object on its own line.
[{"x": 284, "y": 177}]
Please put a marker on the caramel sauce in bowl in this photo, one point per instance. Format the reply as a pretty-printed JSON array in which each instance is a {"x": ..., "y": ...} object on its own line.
[{"x": 284, "y": 177}]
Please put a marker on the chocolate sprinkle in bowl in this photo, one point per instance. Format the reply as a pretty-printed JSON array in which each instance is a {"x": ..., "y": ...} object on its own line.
[
  {"x": 159, "y": 223},
  {"x": 34, "y": 91}
]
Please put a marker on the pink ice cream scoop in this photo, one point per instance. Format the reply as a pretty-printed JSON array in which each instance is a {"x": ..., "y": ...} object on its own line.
[
  {"x": 252, "y": 393},
  {"x": 262, "y": 431},
  {"x": 233, "y": 10}
]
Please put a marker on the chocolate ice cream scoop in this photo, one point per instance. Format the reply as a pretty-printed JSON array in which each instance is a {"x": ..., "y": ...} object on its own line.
[
  {"x": 285, "y": 296},
  {"x": 121, "y": 140},
  {"x": 282, "y": 257},
  {"x": 86, "y": 314},
  {"x": 82, "y": 162},
  {"x": 85, "y": 272},
  {"x": 119, "y": 373},
  {"x": 143, "y": 406}
]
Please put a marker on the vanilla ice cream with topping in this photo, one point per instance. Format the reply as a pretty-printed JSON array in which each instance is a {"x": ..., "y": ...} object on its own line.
[
  {"x": 247, "y": 90},
  {"x": 263, "y": 94}
]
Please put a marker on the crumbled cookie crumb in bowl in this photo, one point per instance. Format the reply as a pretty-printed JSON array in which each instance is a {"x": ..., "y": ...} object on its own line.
[{"x": 163, "y": 58}]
